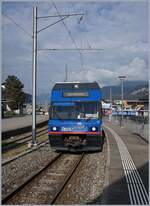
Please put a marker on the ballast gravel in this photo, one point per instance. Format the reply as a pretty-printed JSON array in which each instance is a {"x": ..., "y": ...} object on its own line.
[
  {"x": 19, "y": 170},
  {"x": 87, "y": 184}
]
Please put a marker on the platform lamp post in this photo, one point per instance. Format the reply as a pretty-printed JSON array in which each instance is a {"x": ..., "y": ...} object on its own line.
[
  {"x": 34, "y": 61},
  {"x": 110, "y": 112},
  {"x": 122, "y": 78}
]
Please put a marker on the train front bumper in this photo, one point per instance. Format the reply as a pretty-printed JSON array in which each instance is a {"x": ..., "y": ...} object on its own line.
[{"x": 90, "y": 141}]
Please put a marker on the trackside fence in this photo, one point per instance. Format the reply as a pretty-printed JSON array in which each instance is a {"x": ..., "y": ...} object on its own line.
[{"x": 135, "y": 121}]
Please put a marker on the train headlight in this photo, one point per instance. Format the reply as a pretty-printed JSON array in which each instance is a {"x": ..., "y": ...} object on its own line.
[
  {"x": 54, "y": 129},
  {"x": 93, "y": 129}
]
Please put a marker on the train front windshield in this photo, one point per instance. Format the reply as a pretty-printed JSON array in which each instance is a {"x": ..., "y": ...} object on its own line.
[{"x": 81, "y": 110}]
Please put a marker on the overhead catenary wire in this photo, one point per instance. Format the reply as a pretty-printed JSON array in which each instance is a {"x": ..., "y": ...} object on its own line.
[
  {"x": 79, "y": 23},
  {"x": 70, "y": 34},
  {"x": 85, "y": 37},
  {"x": 70, "y": 49},
  {"x": 89, "y": 45},
  {"x": 19, "y": 26},
  {"x": 52, "y": 24},
  {"x": 61, "y": 15}
]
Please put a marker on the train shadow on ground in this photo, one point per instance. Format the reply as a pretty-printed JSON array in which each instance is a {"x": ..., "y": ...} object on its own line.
[
  {"x": 118, "y": 195},
  {"x": 77, "y": 152}
]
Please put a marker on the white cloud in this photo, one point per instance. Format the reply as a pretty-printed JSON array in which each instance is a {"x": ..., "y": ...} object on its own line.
[
  {"x": 103, "y": 76},
  {"x": 139, "y": 47},
  {"x": 120, "y": 28},
  {"x": 132, "y": 70},
  {"x": 136, "y": 69}
]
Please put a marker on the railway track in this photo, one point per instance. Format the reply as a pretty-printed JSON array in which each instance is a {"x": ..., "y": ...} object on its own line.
[
  {"x": 20, "y": 140},
  {"x": 46, "y": 185},
  {"x": 41, "y": 144}
]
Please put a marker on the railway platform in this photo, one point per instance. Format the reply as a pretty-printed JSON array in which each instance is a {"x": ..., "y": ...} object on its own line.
[
  {"x": 118, "y": 175},
  {"x": 126, "y": 179},
  {"x": 13, "y": 123}
]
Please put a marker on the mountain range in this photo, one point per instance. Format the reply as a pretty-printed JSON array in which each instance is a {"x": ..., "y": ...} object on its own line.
[{"x": 132, "y": 90}]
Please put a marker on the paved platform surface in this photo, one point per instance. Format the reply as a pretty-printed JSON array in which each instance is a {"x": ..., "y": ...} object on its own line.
[
  {"x": 121, "y": 140},
  {"x": 19, "y": 122}
]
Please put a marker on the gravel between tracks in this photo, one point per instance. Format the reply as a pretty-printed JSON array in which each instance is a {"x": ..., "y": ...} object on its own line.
[
  {"x": 86, "y": 186},
  {"x": 18, "y": 171}
]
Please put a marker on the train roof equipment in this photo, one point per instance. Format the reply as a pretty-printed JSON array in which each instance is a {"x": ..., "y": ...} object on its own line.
[{"x": 73, "y": 91}]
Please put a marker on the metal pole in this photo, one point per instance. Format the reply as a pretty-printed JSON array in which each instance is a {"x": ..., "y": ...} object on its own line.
[
  {"x": 122, "y": 97},
  {"x": 66, "y": 73},
  {"x": 34, "y": 72},
  {"x": 121, "y": 79},
  {"x": 110, "y": 114}
]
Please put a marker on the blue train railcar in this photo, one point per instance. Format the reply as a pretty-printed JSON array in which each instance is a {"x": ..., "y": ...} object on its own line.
[{"x": 75, "y": 122}]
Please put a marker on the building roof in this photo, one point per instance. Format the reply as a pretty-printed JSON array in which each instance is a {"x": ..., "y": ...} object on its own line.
[{"x": 138, "y": 101}]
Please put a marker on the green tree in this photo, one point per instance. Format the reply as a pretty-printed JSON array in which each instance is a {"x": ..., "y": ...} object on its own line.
[{"x": 14, "y": 94}]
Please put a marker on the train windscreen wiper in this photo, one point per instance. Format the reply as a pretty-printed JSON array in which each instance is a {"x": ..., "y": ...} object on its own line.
[{"x": 59, "y": 117}]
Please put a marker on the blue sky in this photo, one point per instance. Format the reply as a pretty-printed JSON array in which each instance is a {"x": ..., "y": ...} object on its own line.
[{"x": 119, "y": 28}]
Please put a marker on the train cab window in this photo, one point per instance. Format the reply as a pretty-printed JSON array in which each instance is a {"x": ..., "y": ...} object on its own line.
[
  {"x": 63, "y": 112},
  {"x": 87, "y": 110},
  {"x": 81, "y": 110}
]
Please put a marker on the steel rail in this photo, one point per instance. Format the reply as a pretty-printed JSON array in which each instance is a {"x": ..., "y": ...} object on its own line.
[
  {"x": 19, "y": 137},
  {"x": 25, "y": 153},
  {"x": 69, "y": 175},
  {"x": 9, "y": 196},
  {"x": 8, "y": 146},
  {"x": 62, "y": 185}
]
